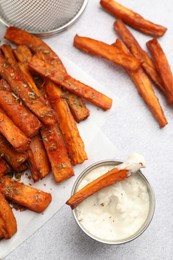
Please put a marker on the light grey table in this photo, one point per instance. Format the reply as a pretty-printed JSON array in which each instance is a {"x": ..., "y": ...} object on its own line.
[{"x": 130, "y": 127}]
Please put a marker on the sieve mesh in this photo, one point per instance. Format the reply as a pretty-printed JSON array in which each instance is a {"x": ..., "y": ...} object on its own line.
[{"x": 43, "y": 17}]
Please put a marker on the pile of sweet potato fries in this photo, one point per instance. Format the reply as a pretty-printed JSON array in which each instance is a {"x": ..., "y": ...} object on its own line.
[
  {"x": 127, "y": 52},
  {"x": 141, "y": 68},
  {"x": 40, "y": 106}
]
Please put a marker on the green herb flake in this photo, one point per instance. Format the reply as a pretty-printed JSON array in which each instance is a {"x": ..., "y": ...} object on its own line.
[
  {"x": 37, "y": 197},
  {"x": 31, "y": 95},
  {"x": 47, "y": 74},
  {"x": 20, "y": 159},
  {"x": 5, "y": 65},
  {"x": 10, "y": 191},
  {"x": 12, "y": 75},
  {"x": 52, "y": 147},
  {"x": 61, "y": 166},
  {"x": 46, "y": 51},
  {"x": 14, "y": 95},
  {"x": 45, "y": 139}
]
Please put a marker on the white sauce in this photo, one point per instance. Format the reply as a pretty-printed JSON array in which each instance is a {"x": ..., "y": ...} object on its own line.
[
  {"x": 134, "y": 163},
  {"x": 115, "y": 212}
]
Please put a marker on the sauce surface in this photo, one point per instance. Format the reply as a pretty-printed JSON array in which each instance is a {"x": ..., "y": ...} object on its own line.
[{"x": 115, "y": 212}]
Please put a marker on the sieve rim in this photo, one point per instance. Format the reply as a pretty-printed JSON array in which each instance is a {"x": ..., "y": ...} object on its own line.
[{"x": 50, "y": 33}]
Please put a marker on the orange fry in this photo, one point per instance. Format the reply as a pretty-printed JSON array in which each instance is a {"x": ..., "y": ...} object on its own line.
[
  {"x": 23, "y": 53},
  {"x": 76, "y": 104},
  {"x": 106, "y": 51},
  {"x": 138, "y": 52},
  {"x": 39, "y": 163},
  {"x": 113, "y": 176},
  {"x": 133, "y": 19},
  {"x": 12, "y": 157},
  {"x": 24, "y": 56},
  {"x": 22, "y": 89},
  {"x": 70, "y": 84},
  {"x": 8, "y": 53},
  {"x": 78, "y": 109},
  {"x": 4, "y": 85},
  {"x": 18, "y": 113},
  {"x": 7, "y": 216},
  {"x": 57, "y": 153},
  {"x": 145, "y": 89},
  {"x": 162, "y": 67},
  {"x": 12, "y": 133},
  {"x": 67, "y": 124},
  {"x": 27, "y": 196},
  {"x": 31, "y": 164},
  {"x": 22, "y": 167},
  {"x": 4, "y": 167},
  {"x": 27, "y": 76}
]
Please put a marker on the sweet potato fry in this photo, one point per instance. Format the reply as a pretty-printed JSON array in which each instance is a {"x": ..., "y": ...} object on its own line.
[
  {"x": 162, "y": 67},
  {"x": 39, "y": 163},
  {"x": 26, "y": 55},
  {"x": 21, "y": 168},
  {"x": 145, "y": 89},
  {"x": 8, "y": 53},
  {"x": 4, "y": 167},
  {"x": 27, "y": 76},
  {"x": 18, "y": 113},
  {"x": 4, "y": 85},
  {"x": 76, "y": 104},
  {"x": 26, "y": 196},
  {"x": 21, "y": 37},
  {"x": 78, "y": 109},
  {"x": 13, "y": 134},
  {"x": 23, "y": 53},
  {"x": 6, "y": 214},
  {"x": 67, "y": 124},
  {"x": 57, "y": 153},
  {"x": 32, "y": 168},
  {"x": 138, "y": 52},
  {"x": 70, "y": 83},
  {"x": 22, "y": 89},
  {"x": 106, "y": 51},
  {"x": 132, "y": 18},
  {"x": 12, "y": 157},
  {"x": 113, "y": 176}
]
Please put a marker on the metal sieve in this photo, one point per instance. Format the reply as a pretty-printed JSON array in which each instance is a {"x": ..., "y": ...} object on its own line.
[{"x": 41, "y": 17}]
